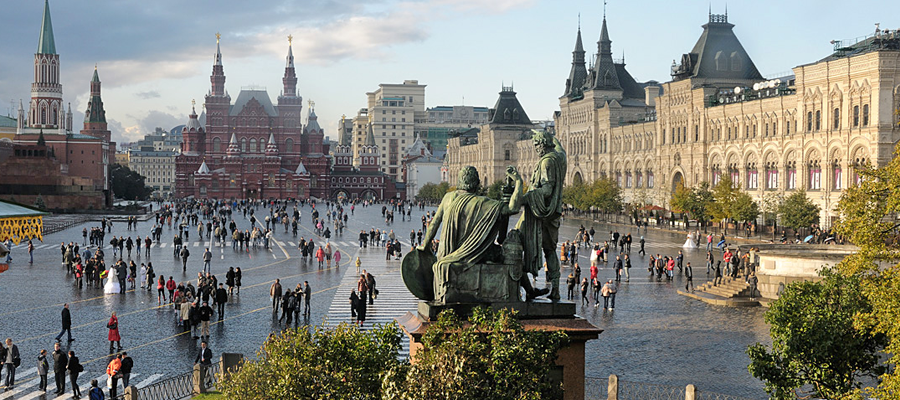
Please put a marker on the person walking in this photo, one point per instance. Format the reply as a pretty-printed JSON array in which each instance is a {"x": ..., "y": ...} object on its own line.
[
  {"x": 221, "y": 299},
  {"x": 570, "y": 285},
  {"x": 362, "y": 287},
  {"x": 237, "y": 279},
  {"x": 8, "y": 250},
  {"x": 275, "y": 293},
  {"x": 717, "y": 278},
  {"x": 114, "y": 336},
  {"x": 127, "y": 365},
  {"x": 205, "y": 315},
  {"x": 584, "y": 292},
  {"x": 11, "y": 362},
  {"x": 207, "y": 257},
  {"x": 60, "y": 361},
  {"x": 337, "y": 258},
  {"x": 689, "y": 275},
  {"x": 604, "y": 292},
  {"x": 43, "y": 367},
  {"x": 709, "y": 261},
  {"x": 30, "y": 252},
  {"x": 753, "y": 281},
  {"x": 618, "y": 268},
  {"x": 75, "y": 368},
  {"x": 185, "y": 253},
  {"x": 66, "y": 324},
  {"x": 229, "y": 280},
  {"x": 113, "y": 373},
  {"x": 370, "y": 284}
]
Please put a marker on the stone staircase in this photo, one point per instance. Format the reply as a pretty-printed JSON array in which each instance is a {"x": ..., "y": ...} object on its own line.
[
  {"x": 729, "y": 288},
  {"x": 732, "y": 292}
]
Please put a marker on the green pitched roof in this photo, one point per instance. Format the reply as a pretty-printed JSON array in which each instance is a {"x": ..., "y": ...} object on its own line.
[{"x": 46, "y": 45}]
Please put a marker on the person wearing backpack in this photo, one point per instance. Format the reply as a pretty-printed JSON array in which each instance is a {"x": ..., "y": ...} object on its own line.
[
  {"x": 95, "y": 393},
  {"x": 185, "y": 253}
]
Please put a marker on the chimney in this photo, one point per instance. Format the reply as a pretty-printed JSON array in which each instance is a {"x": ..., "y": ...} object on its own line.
[{"x": 650, "y": 95}]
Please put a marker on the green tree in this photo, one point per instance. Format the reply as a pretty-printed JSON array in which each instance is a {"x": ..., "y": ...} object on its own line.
[
  {"x": 724, "y": 194},
  {"x": 770, "y": 204},
  {"x": 868, "y": 214},
  {"x": 815, "y": 345},
  {"x": 490, "y": 357},
  {"x": 744, "y": 209},
  {"x": 798, "y": 211},
  {"x": 495, "y": 190},
  {"x": 682, "y": 200},
  {"x": 605, "y": 195},
  {"x": 340, "y": 363},
  {"x": 128, "y": 184},
  {"x": 39, "y": 203},
  {"x": 577, "y": 196}
]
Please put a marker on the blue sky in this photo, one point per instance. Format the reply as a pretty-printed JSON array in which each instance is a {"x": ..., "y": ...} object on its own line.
[{"x": 154, "y": 57}]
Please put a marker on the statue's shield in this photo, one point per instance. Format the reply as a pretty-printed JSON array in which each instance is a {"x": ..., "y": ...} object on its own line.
[{"x": 418, "y": 273}]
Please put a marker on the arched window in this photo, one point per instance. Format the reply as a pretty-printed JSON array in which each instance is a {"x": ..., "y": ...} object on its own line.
[
  {"x": 289, "y": 145},
  {"x": 836, "y": 119},
  {"x": 253, "y": 148},
  {"x": 244, "y": 145},
  {"x": 855, "y": 116},
  {"x": 809, "y": 121},
  {"x": 721, "y": 61},
  {"x": 217, "y": 145},
  {"x": 818, "y": 120},
  {"x": 866, "y": 115}
]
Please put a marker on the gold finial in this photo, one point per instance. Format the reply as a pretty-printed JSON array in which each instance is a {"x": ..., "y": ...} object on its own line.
[
  {"x": 290, "y": 39},
  {"x": 193, "y": 102},
  {"x": 95, "y": 66},
  {"x": 218, "y": 36},
  {"x": 312, "y": 104}
]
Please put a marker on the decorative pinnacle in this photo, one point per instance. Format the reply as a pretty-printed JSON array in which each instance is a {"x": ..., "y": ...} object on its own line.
[
  {"x": 312, "y": 104},
  {"x": 290, "y": 38},
  {"x": 218, "y": 36},
  {"x": 193, "y": 102}
]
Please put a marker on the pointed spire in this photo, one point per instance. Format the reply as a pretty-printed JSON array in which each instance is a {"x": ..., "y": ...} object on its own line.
[
  {"x": 579, "y": 47},
  {"x": 290, "y": 56},
  {"x": 604, "y": 46},
  {"x": 46, "y": 44},
  {"x": 218, "y": 50},
  {"x": 95, "y": 112},
  {"x": 370, "y": 137},
  {"x": 271, "y": 147},
  {"x": 95, "y": 78},
  {"x": 578, "y": 73},
  {"x": 233, "y": 148}
]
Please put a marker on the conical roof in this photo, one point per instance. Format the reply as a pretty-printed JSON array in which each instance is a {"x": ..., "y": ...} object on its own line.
[
  {"x": 203, "y": 168},
  {"x": 46, "y": 43},
  {"x": 193, "y": 122},
  {"x": 578, "y": 73},
  {"x": 370, "y": 136},
  {"x": 312, "y": 125},
  {"x": 233, "y": 147},
  {"x": 301, "y": 170},
  {"x": 271, "y": 147}
]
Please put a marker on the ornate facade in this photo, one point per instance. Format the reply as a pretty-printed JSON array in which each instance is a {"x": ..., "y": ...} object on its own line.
[
  {"x": 718, "y": 115},
  {"x": 252, "y": 149}
]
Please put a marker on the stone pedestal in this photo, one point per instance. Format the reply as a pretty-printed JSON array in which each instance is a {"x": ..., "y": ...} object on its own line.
[{"x": 570, "y": 359}]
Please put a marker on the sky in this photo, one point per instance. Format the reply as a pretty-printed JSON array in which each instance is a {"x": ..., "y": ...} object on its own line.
[{"x": 154, "y": 57}]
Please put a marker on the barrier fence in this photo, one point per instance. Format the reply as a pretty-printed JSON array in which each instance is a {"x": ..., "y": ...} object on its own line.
[{"x": 615, "y": 389}]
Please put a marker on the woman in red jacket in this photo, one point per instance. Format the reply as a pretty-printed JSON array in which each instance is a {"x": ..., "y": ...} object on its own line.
[{"x": 113, "y": 326}]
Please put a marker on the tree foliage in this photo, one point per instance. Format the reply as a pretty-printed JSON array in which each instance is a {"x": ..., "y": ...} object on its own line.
[
  {"x": 744, "y": 209},
  {"x": 770, "y": 206},
  {"x": 603, "y": 195},
  {"x": 868, "y": 213},
  {"x": 495, "y": 190},
  {"x": 490, "y": 357},
  {"x": 724, "y": 194},
  {"x": 433, "y": 192},
  {"x": 798, "y": 211},
  {"x": 815, "y": 346},
  {"x": 128, "y": 184},
  {"x": 694, "y": 201},
  {"x": 320, "y": 363}
]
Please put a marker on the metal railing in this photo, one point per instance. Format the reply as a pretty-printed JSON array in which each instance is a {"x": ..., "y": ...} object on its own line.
[
  {"x": 596, "y": 388},
  {"x": 174, "y": 388}
]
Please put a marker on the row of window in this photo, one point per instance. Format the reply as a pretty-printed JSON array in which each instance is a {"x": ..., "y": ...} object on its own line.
[
  {"x": 252, "y": 147},
  {"x": 814, "y": 119},
  {"x": 771, "y": 182},
  {"x": 354, "y": 180},
  {"x": 636, "y": 180}
]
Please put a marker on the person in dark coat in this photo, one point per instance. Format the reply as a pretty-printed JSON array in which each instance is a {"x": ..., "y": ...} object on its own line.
[
  {"x": 60, "y": 362},
  {"x": 66, "y": 323},
  {"x": 221, "y": 299},
  {"x": 74, "y": 367},
  {"x": 354, "y": 303},
  {"x": 229, "y": 280}
]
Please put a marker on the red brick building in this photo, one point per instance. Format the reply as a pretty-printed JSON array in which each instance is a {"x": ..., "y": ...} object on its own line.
[
  {"x": 82, "y": 157},
  {"x": 254, "y": 149}
]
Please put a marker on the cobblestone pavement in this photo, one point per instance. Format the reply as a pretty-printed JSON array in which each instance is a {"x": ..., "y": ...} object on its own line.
[{"x": 654, "y": 335}]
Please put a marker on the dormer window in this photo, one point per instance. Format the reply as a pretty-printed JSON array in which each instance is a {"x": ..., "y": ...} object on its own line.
[
  {"x": 735, "y": 61},
  {"x": 721, "y": 61}
]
